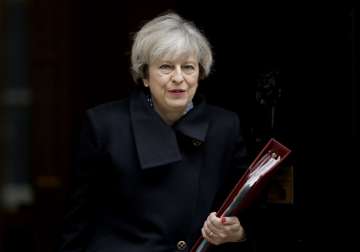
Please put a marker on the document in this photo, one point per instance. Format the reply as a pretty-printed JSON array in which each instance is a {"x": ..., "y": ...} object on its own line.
[{"x": 250, "y": 184}]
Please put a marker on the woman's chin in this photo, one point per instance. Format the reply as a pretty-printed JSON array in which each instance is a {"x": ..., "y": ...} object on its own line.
[
  {"x": 177, "y": 103},
  {"x": 176, "y": 106}
]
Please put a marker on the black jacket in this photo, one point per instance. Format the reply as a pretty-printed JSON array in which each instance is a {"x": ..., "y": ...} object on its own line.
[{"x": 142, "y": 185}]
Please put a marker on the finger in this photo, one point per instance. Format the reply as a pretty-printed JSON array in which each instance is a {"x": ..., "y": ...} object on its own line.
[
  {"x": 215, "y": 221},
  {"x": 210, "y": 226},
  {"x": 232, "y": 227},
  {"x": 210, "y": 230},
  {"x": 208, "y": 235},
  {"x": 232, "y": 220},
  {"x": 218, "y": 234},
  {"x": 212, "y": 238},
  {"x": 204, "y": 234}
]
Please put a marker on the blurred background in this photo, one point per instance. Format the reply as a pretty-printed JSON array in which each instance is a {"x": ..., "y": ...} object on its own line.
[{"x": 290, "y": 73}]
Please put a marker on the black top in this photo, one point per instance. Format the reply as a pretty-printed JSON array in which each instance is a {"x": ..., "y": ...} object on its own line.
[{"x": 142, "y": 185}]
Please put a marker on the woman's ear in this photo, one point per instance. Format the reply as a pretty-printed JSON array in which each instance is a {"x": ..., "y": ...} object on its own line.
[{"x": 146, "y": 83}]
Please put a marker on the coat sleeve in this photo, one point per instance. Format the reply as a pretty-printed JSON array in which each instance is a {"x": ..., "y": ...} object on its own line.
[
  {"x": 239, "y": 159},
  {"x": 238, "y": 156},
  {"x": 77, "y": 226},
  {"x": 239, "y": 163}
]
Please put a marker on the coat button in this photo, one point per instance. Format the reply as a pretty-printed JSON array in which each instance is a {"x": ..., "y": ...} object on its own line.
[
  {"x": 181, "y": 245},
  {"x": 196, "y": 142}
]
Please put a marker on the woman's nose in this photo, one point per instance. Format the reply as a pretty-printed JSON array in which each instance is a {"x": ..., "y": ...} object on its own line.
[{"x": 178, "y": 75}]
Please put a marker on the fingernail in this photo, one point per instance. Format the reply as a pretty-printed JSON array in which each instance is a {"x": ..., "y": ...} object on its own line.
[{"x": 223, "y": 220}]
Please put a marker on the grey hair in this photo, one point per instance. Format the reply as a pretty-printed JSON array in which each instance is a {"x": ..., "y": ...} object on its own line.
[{"x": 169, "y": 36}]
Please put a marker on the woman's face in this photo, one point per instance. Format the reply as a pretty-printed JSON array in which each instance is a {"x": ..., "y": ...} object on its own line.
[{"x": 173, "y": 83}]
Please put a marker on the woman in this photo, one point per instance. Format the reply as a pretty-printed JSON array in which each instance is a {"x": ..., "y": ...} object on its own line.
[{"x": 151, "y": 169}]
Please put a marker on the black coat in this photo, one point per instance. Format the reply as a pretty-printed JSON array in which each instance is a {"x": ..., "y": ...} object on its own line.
[{"x": 142, "y": 185}]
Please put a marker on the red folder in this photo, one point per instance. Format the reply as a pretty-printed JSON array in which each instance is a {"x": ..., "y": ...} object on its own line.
[{"x": 250, "y": 184}]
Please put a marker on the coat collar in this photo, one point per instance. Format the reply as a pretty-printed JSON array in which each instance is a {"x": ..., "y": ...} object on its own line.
[{"x": 156, "y": 141}]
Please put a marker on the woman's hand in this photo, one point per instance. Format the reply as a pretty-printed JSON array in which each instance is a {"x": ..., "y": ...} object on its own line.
[{"x": 221, "y": 230}]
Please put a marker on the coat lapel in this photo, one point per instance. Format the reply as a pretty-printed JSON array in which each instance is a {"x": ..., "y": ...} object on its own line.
[{"x": 156, "y": 141}]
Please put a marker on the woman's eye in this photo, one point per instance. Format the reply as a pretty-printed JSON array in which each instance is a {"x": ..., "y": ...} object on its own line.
[
  {"x": 166, "y": 68},
  {"x": 188, "y": 68}
]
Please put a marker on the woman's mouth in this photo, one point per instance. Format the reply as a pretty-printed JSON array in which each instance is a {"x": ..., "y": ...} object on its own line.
[{"x": 177, "y": 92}]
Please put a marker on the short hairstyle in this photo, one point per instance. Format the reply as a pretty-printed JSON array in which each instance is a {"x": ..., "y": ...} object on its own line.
[{"x": 169, "y": 36}]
